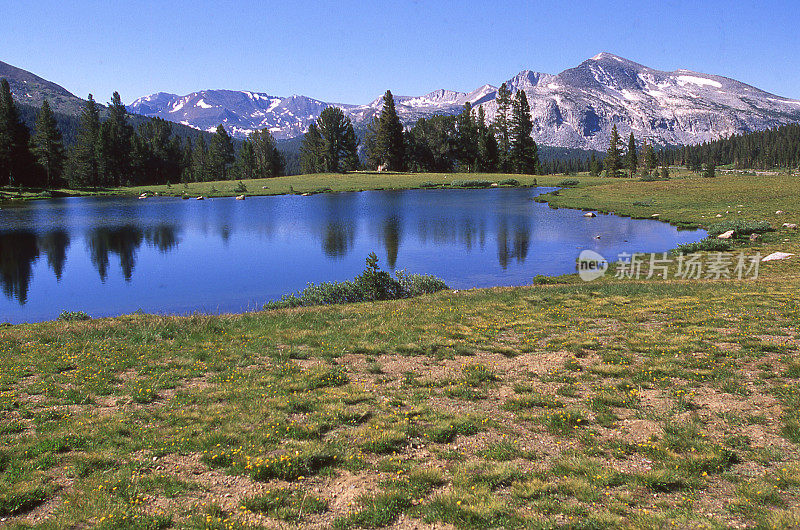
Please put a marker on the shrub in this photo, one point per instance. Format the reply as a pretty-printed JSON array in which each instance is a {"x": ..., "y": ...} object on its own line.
[
  {"x": 418, "y": 284},
  {"x": 471, "y": 183},
  {"x": 372, "y": 284},
  {"x": 540, "y": 279},
  {"x": 740, "y": 227},
  {"x": 240, "y": 188},
  {"x": 708, "y": 244},
  {"x": 509, "y": 182},
  {"x": 568, "y": 183},
  {"x": 429, "y": 184},
  {"x": 73, "y": 316}
]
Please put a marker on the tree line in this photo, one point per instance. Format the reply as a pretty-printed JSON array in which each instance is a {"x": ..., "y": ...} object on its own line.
[
  {"x": 778, "y": 147},
  {"x": 466, "y": 142},
  {"x": 113, "y": 152}
]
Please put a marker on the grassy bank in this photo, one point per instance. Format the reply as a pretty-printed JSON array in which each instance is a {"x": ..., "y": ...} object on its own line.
[
  {"x": 313, "y": 183},
  {"x": 623, "y": 404}
]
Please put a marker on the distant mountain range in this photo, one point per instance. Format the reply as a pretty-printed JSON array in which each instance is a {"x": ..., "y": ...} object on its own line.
[{"x": 574, "y": 109}]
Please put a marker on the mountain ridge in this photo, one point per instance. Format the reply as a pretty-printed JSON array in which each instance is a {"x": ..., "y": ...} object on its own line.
[{"x": 575, "y": 108}]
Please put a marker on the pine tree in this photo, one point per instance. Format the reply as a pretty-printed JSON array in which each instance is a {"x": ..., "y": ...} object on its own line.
[
  {"x": 350, "y": 161},
  {"x": 246, "y": 161},
  {"x": 611, "y": 162},
  {"x": 524, "y": 152},
  {"x": 338, "y": 141},
  {"x": 710, "y": 170},
  {"x": 311, "y": 150},
  {"x": 269, "y": 161},
  {"x": 200, "y": 160},
  {"x": 83, "y": 167},
  {"x": 186, "y": 161},
  {"x": 650, "y": 157},
  {"x": 47, "y": 145},
  {"x": 664, "y": 172},
  {"x": 221, "y": 153},
  {"x": 594, "y": 166},
  {"x": 389, "y": 139},
  {"x": 488, "y": 152},
  {"x": 157, "y": 154},
  {"x": 17, "y": 164},
  {"x": 116, "y": 142},
  {"x": 502, "y": 125},
  {"x": 370, "y": 143},
  {"x": 466, "y": 140},
  {"x": 631, "y": 159}
]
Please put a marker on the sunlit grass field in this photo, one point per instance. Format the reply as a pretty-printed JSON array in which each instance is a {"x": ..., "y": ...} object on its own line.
[{"x": 610, "y": 404}]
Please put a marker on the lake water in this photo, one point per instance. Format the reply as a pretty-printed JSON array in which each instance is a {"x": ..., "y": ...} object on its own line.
[{"x": 111, "y": 256}]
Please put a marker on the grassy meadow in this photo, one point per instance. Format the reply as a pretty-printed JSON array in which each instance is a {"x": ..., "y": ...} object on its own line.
[{"x": 564, "y": 404}]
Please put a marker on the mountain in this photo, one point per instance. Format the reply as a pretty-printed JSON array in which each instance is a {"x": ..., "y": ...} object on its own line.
[
  {"x": 241, "y": 112},
  {"x": 30, "y": 89},
  {"x": 578, "y": 107},
  {"x": 573, "y": 109}
]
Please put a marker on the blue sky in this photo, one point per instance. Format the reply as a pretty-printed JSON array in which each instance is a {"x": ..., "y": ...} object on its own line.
[{"x": 350, "y": 51}]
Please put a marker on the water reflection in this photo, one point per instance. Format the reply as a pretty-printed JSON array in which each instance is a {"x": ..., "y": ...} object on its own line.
[
  {"x": 18, "y": 251},
  {"x": 54, "y": 244},
  {"x": 164, "y": 237},
  {"x": 391, "y": 240},
  {"x": 513, "y": 240},
  {"x": 339, "y": 231},
  {"x": 122, "y": 241}
]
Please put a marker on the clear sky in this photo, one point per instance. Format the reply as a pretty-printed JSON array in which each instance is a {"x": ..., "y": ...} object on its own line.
[{"x": 350, "y": 51}]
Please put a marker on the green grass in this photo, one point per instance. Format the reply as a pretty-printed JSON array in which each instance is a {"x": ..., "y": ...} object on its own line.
[{"x": 614, "y": 403}]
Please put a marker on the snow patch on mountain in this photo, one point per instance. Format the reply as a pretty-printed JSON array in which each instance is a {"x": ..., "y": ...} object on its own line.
[{"x": 683, "y": 80}]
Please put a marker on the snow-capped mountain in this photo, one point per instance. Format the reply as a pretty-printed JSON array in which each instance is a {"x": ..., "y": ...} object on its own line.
[
  {"x": 578, "y": 107},
  {"x": 241, "y": 112},
  {"x": 575, "y": 108}
]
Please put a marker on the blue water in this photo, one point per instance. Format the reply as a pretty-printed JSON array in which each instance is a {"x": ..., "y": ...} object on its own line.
[{"x": 111, "y": 256}]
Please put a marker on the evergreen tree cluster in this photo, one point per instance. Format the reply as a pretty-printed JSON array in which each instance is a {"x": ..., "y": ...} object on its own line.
[
  {"x": 466, "y": 142},
  {"x": 113, "y": 152},
  {"x": 330, "y": 145},
  {"x": 778, "y": 147},
  {"x": 635, "y": 160}
]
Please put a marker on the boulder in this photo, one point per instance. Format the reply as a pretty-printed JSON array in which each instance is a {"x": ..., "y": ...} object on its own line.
[
  {"x": 719, "y": 215},
  {"x": 590, "y": 214},
  {"x": 790, "y": 226},
  {"x": 201, "y": 198},
  {"x": 240, "y": 197},
  {"x": 726, "y": 235},
  {"x": 494, "y": 184},
  {"x": 776, "y": 256},
  {"x": 656, "y": 215},
  {"x": 754, "y": 237},
  {"x": 779, "y": 212}
]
